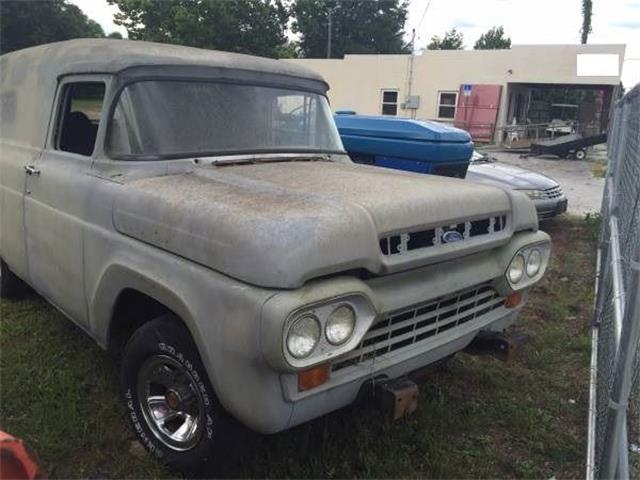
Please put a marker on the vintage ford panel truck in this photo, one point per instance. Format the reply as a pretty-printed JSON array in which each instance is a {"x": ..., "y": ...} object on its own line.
[{"x": 196, "y": 214}]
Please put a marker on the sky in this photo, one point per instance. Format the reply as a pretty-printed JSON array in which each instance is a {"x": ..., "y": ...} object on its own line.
[{"x": 525, "y": 21}]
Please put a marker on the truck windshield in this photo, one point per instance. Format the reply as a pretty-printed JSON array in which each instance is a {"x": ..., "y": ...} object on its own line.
[{"x": 172, "y": 119}]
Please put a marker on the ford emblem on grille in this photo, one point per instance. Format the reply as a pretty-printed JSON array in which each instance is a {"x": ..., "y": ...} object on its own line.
[{"x": 451, "y": 236}]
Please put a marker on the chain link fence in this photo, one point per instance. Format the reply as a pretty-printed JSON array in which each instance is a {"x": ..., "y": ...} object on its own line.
[{"x": 614, "y": 420}]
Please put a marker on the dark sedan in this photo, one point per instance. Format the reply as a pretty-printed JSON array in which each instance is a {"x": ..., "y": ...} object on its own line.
[{"x": 546, "y": 193}]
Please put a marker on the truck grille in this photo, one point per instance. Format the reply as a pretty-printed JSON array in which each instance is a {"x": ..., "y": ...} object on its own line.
[
  {"x": 402, "y": 243},
  {"x": 418, "y": 323},
  {"x": 553, "y": 192}
]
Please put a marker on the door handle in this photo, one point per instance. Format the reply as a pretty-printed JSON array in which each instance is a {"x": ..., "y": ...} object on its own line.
[{"x": 31, "y": 170}]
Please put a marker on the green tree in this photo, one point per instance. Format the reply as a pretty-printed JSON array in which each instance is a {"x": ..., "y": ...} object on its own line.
[
  {"x": 288, "y": 50},
  {"x": 452, "y": 40},
  {"x": 494, "y": 39},
  {"x": 25, "y": 24},
  {"x": 357, "y": 26},
  {"x": 116, "y": 35},
  {"x": 245, "y": 26},
  {"x": 587, "y": 10}
]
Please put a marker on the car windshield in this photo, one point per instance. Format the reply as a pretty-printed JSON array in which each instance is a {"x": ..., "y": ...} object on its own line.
[{"x": 171, "y": 119}]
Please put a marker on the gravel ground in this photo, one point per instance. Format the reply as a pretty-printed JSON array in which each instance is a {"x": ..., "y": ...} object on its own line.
[{"x": 583, "y": 190}]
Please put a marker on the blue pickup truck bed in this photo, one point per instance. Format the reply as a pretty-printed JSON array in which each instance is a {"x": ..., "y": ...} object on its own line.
[{"x": 405, "y": 144}]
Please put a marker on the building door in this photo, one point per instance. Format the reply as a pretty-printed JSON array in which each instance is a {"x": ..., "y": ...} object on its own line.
[{"x": 477, "y": 110}]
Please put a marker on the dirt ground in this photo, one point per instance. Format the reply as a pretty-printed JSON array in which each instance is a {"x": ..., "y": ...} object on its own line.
[{"x": 581, "y": 187}]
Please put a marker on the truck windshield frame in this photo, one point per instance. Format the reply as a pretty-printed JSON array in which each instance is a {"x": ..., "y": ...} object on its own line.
[{"x": 213, "y": 117}]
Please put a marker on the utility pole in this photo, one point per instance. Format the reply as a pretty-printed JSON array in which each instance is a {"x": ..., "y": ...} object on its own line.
[
  {"x": 410, "y": 82},
  {"x": 330, "y": 12},
  {"x": 413, "y": 40}
]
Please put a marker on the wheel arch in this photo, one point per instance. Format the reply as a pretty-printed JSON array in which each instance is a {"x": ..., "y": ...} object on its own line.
[
  {"x": 126, "y": 299},
  {"x": 132, "y": 310}
]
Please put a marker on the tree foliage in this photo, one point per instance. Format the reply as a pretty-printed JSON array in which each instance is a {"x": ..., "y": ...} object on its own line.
[
  {"x": 587, "y": 10},
  {"x": 358, "y": 26},
  {"x": 26, "y": 24},
  {"x": 452, "y": 40},
  {"x": 245, "y": 26},
  {"x": 493, "y": 39}
]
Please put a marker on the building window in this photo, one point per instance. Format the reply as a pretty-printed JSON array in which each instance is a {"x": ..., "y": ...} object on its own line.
[
  {"x": 447, "y": 104},
  {"x": 389, "y": 102}
]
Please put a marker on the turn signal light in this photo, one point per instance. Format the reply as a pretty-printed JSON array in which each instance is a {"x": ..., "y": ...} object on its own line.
[
  {"x": 513, "y": 300},
  {"x": 314, "y": 377}
]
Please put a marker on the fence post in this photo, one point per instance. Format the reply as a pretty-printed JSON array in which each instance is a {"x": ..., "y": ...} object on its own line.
[{"x": 623, "y": 379}]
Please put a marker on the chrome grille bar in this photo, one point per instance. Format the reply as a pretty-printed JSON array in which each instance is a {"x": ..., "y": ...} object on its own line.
[
  {"x": 401, "y": 243},
  {"x": 553, "y": 192},
  {"x": 406, "y": 327}
]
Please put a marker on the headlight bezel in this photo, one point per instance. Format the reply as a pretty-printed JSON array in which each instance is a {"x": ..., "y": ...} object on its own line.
[
  {"x": 324, "y": 350},
  {"x": 527, "y": 279}
]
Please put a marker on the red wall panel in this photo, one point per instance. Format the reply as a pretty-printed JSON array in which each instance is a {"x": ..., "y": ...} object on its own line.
[{"x": 477, "y": 113}]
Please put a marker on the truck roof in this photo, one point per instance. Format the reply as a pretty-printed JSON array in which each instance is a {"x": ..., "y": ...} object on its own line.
[
  {"x": 29, "y": 77},
  {"x": 101, "y": 55}
]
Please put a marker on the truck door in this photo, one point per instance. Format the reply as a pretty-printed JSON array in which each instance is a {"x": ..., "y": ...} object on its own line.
[{"x": 57, "y": 189}]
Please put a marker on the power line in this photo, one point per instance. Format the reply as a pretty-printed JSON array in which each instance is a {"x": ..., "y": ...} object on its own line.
[{"x": 424, "y": 13}]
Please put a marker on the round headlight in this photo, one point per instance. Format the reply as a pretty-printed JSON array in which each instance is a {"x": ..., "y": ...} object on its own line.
[
  {"x": 516, "y": 269},
  {"x": 303, "y": 336},
  {"x": 534, "y": 262},
  {"x": 340, "y": 325}
]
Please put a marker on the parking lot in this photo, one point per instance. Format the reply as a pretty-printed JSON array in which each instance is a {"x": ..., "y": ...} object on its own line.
[{"x": 581, "y": 186}]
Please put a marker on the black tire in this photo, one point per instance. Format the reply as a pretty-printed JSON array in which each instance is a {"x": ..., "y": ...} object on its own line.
[
  {"x": 581, "y": 154},
  {"x": 11, "y": 287},
  {"x": 165, "y": 339}
]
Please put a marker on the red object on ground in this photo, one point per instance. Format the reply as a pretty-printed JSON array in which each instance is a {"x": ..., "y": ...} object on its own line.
[{"x": 16, "y": 461}]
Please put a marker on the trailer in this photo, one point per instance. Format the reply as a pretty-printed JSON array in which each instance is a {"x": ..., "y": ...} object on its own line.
[{"x": 567, "y": 145}]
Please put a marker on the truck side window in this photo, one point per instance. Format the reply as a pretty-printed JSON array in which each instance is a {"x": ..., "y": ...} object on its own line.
[{"x": 79, "y": 117}]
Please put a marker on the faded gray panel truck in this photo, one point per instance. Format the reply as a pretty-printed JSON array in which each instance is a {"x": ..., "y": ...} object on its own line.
[{"x": 195, "y": 213}]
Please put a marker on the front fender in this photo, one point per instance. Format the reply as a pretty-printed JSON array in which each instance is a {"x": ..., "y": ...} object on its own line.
[
  {"x": 222, "y": 314},
  {"x": 118, "y": 278}
]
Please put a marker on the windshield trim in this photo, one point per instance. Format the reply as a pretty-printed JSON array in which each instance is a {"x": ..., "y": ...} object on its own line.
[
  {"x": 226, "y": 153},
  {"x": 115, "y": 98}
]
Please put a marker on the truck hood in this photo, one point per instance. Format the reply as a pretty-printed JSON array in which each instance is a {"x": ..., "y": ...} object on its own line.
[
  {"x": 281, "y": 224},
  {"x": 509, "y": 176}
]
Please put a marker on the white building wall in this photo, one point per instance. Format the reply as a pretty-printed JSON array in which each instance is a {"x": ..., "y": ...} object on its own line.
[{"x": 358, "y": 80}]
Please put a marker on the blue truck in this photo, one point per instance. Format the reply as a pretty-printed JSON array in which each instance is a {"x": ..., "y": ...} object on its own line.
[{"x": 405, "y": 144}]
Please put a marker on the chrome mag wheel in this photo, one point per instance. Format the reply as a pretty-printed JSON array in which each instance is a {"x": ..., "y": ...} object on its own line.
[{"x": 171, "y": 402}]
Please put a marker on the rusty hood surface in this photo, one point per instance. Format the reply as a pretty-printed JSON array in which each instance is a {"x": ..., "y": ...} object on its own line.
[{"x": 280, "y": 224}]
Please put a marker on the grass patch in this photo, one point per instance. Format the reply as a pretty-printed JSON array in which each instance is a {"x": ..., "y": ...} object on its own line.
[
  {"x": 478, "y": 417},
  {"x": 599, "y": 168}
]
